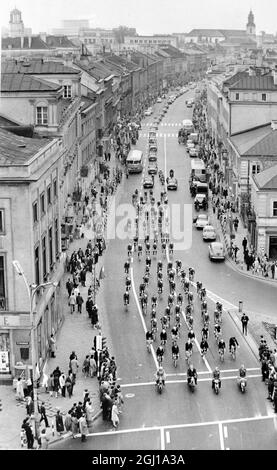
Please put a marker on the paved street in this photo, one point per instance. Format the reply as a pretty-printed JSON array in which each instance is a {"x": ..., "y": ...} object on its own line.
[{"x": 177, "y": 419}]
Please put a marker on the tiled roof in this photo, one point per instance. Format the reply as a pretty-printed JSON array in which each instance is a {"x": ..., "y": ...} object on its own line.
[
  {"x": 86, "y": 102},
  {"x": 36, "y": 66},
  {"x": 205, "y": 32},
  {"x": 260, "y": 82},
  {"x": 239, "y": 40},
  {"x": 233, "y": 32},
  {"x": 22, "y": 82},
  {"x": 4, "y": 122},
  {"x": 257, "y": 142},
  {"x": 15, "y": 43},
  {"x": 267, "y": 179},
  {"x": 16, "y": 150},
  {"x": 95, "y": 69},
  {"x": 124, "y": 62},
  {"x": 173, "y": 52},
  {"x": 59, "y": 41}
]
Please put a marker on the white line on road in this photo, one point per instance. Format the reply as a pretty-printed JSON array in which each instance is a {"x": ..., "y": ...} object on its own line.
[
  {"x": 141, "y": 315},
  {"x": 167, "y": 434},
  {"x": 176, "y": 374},
  {"x": 225, "y": 431},
  {"x": 221, "y": 438},
  {"x": 184, "y": 425},
  {"x": 162, "y": 439}
]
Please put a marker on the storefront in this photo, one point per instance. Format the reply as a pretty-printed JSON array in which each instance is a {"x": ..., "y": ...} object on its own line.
[{"x": 5, "y": 352}]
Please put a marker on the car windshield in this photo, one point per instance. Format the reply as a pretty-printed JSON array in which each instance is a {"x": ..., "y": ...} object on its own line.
[{"x": 202, "y": 216}]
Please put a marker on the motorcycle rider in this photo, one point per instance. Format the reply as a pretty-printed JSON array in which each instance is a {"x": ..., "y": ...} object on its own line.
[
  {"x": 205, "y": 332},
  {"x": 149, "y": 337},
  {"x": 216, "y": 375},
  {"x": 191, "y": 335},
  {"x": 163, "y": 336},
  {"x": 188, "y": 348},
  {"x": 242, "y": 375},
  {"x": 221, "y": 345},
  {"x": 160, "y": 375},
  {"x": 160, "y": 353},
  {"x": 204, "y": 347},
  {"x": 191, "y": 373}
]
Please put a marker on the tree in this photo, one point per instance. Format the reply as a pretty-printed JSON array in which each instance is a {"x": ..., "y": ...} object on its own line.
[{"x": 123, "y": 31}]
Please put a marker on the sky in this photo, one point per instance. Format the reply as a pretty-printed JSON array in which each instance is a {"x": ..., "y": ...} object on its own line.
[{"x": 147, "y": 16}]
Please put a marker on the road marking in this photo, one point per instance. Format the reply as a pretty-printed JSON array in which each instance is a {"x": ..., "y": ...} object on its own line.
[
  {"x": 162, "y": 439},
  {"x": 129, "y": 395},
  {"x": 141, "y": 315},
  {"x": 225, "y": 431},
  {"x": 183, "y": 425},
  {"x": 208, "y": 379},
  {"x": 221, "y": 439},
  {"x": 165, "y": 155},
  {"x": 167, "y": 434},
  {"x": 206, "y": 372}
]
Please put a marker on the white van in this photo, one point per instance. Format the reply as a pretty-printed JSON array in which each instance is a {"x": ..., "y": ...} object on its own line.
[
  {"x": 134, "y": 161},
  {"x": 187, "y": 125}
]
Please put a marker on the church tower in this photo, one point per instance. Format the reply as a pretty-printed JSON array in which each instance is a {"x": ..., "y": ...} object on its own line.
[
  {"x": 16, "y": 28},
  {"x": 251, "y": 27}
]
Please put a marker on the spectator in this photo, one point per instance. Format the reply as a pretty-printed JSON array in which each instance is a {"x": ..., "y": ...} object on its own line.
[
  {"x": 236, "y": 224},
  {"x": 69, "y": 384},
  {"x": 42, "y": 411},
  {"x": 114, "y": 414},
  {"x": 79, "y": 302},
  {"x": 69, "y": 287},
  {"x": 74, "y": 367},
  {"x": 244, "y": 322},
  {"x": 83, "y": 427},
  {"x": 44, "y": 439},
  {"x": 272, "y": 267},
  {"x": 29, "y": 433},
  {"x": 68, "y": 421},
  {"x": 52, "y": 346},
  {"x": 62, "y": 381},
  {"x": 59, "y": 422},
  {"x": 72, "y": 302},
  {"x": 244, "y": 244}
]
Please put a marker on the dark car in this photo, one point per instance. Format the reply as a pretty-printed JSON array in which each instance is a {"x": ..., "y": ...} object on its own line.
[{"x": 148, "y": 182}]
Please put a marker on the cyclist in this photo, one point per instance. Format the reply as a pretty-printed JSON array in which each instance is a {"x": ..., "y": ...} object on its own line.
[
  {"x": 126, "y": 298},
  {"x": 191, "y": 274},
  {"x": 159, "y": 266},
  {"x": 160, "y": 286},
  {"x": 149, "y": 339},
  {"x": 171, "y": 247},
  {"x": 146, "y": 278},
  {"x": 163, "y": 248},
  {"x": 190, "y": 298},
  {"x": 183, "y": 276},
  {"x": 188, "y": 310},
  {"x": 198, "y": 287},
  {"x": 147, "y": 249},
  {"x": 188, "y": 349},
  {"x": 163, "y": 337},
  {"x": 206, "y": 318},
  {"x": 191, "y": 336},
  {"x": 221, "y": 348},
  {"x": 172, "y": 286},
  {"x": 178, "y": 266},
  {"x": 177, "y": 309},
  {"x": 204, "y": 347},
  {"x": 128, "y": 283},
  {"x": 154, "y": 327},
  {"x": 203, "y": 293},
  {"x": 204, "y": 307},
  {"x": 175, "y": 350},
  {"x": 216, "y": 316},
  {"x": 170, "y": 300},
  {"x": 242, "y": 374},
  {"x": 178, "y": 320},
  {"x": 129, "y": 250},
  {"x": 147, "y": 270},
  {"x": 186, "y": 286},
  {"x": 164, "y": 321},
  {"x": 190, "y": 321},
  {"x": 154, "y": 249},
  {"x": 139, "y": 251},
  {"x": 169, "y": 267},
  {"x": 171, "y": 274},
  {"x": 205, "y": 332},
  {"x": 160, "y": 375},
  {"x": 160, "y": 353},
  {"x": 168, "y": 313},
  {"x": 141, "y": 289},
  {"x": 191, "y": 373},
  {"x": 174, "y": 333},
  {"x": 216, "y": 376},
  {"x": 179, "y": 299},
  {"x": 160, "y": 275},
  {"x": 233, "y": 343},
  {"x": 148, "y": 261},
  {"x": 154, "y": 300},
  {"x": 217, "y": 331},
  {"x": 126, "y": 267},
  {"x": 135, "y": 240}
]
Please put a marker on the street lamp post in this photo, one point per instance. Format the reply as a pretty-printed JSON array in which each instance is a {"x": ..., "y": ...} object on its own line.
[{"x": 32, "y": 289}]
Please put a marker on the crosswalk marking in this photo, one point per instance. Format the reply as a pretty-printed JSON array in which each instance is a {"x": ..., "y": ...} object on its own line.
[
  {"x": 161, "y": 134},
  {"x": 149, "y": 124}
]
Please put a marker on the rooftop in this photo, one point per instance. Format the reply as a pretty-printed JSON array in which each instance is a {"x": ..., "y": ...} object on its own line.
[
  {"x": 267, "y": 179},
  {"x": 260, "y": 142},
  {"x": 17, "y": 150},
  {"x": 15, "y": 43},
  {"x": 59, "y": 41},
  {"x": 254, "y": 82},
  {"x": 36, "y": 66},
  {"x": 11, "y": 82}
]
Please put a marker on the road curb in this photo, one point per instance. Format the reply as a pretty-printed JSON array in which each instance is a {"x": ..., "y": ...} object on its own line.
[
  {"x": 251, "y": 276},
  {"x": 248, "y": 338},
  {"x": 69, "y": 434}
]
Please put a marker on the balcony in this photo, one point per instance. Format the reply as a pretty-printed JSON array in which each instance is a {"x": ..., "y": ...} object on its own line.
[{"x": 3, "y": 304}]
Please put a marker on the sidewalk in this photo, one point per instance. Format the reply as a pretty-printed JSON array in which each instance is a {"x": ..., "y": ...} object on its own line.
[{"x": 76, "y": 334}]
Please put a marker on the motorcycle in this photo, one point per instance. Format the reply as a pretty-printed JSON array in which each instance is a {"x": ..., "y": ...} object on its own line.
[
  {"x": 242, "y": 382},
  {"x": 160, "y": 385},
  {"x": 191, "y": 384}
]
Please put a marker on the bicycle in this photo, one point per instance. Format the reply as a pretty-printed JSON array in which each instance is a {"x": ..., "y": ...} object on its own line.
[
  {"x": 221, "y": 354},
  {"x": 175, "y": 358},
  {"x": 233, "y": 352}
]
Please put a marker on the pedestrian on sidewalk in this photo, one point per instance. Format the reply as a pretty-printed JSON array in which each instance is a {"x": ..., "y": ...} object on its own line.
[
  {"x": 272, "y": 267},
  {"x": 56, "y": 374},
  {"x": 244, "y": 244},
  {"x": 51, "y": 384},
  {"x": 72, "y": 302},
  {"x": 29, "y": 433},
  {"x": 69, "y": 286},
  {"x": 235, "y": 251},
  {"x": 42, "y": 411},
  {"x": 244, "y": 321},
  {"x": 69, "y": 384},
  {"x": 85, "y": 368},
  {"x": 236, "y": 224},
  {"x": 74, "y": 367},
  {"x": 79, "y": 302},
  {"x": 19, "y": 389},
  {"x": 83, "y": 427},
  {"x": 62, "y": 381},
  {"x": 44, "y": 438},
  {"x": 114, "y": 414},
  {"x": 52, "y": 346},
  {"x": 68, "y": 421},
  {"x": 59, "y": 422}
]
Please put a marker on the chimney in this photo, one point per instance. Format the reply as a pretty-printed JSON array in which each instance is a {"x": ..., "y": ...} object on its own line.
[
  {"x": 274, "y": 75},
  {"x": 29, "y": 41},
  {"x": 274, "y": 124},
  {"x": 21, "y": 42}
]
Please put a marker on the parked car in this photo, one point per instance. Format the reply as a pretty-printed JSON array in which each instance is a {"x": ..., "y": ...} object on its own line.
[
  {"x": 201, "y": 200},
  {"x": 193, "y": 152},
  {"x": 148, "y": 182},
  {"x": 148, "y": 112},
  {"x": 201, "y": 221},
  {"x": 152, "y": 157},
  {"x": 159, "y": 100},
  {"x": 209, "y": 233},
  {"x": 216, "y": 251}
]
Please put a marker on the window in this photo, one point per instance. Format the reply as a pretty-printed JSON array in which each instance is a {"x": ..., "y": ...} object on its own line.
[
  {"x": 44, "y": 270},
  {"x": 2, "y": 221},
  {"x": 56, "y": 237},
  {"x": 263, "y": 96},
  {"x": 55, "y": 188},
  {"x": 35, "y": 212},
  {"x": 2, "y": 279},
  {"x": 37, "y": 274},
  {"x": 256, "y": 169},
  {"x": 274, "y": 210},
  {"x": 50, "y": 239},
  {"x": 42, "y": 203},
  {"x": 67, "y": 91},
  {"x": 42, "y": 115},
  {"x": 237, "y": 96},
  {"x": 49, "y": 196}
]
